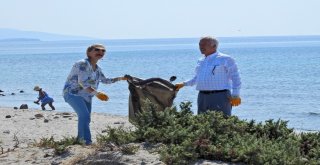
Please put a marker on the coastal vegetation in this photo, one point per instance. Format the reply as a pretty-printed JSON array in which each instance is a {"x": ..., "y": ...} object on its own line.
[
  {"x": 213, "y": 136},
  {"x": 180, "y": 137},
  {"x": 59, "y": 146}
]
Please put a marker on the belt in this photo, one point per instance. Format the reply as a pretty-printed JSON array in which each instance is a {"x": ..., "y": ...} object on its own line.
[{"x": 214, "y": 91}]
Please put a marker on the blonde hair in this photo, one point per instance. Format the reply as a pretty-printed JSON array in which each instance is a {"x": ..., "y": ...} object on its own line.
[{"x": 91, "y": 47}]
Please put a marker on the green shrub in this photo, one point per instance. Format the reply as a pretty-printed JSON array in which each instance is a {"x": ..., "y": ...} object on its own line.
[
  {"x": 59, "y": 147},
  {"x": 213, "y": 136},
  {"x": 309, "y": 145},
  {"x": 118, "y": 135},
  {"x": 129, "y": 149}
]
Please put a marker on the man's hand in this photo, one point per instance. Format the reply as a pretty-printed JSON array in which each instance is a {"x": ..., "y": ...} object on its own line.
[
  {"x": 179, "y": 86},
  {"x": 36, "y": 102},
  {"x": 102, "y": 96},
  {"x": 235, "y": 101}
]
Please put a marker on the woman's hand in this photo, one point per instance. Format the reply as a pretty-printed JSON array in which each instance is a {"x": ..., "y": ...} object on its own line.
[
  {"x": 123, "y": 78},
  {"x": 120, "y": 78},
  {"x": 102, "y": 96}
]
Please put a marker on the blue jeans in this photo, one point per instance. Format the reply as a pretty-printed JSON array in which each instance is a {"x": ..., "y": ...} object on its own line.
[{"x": 83, "y": 110}]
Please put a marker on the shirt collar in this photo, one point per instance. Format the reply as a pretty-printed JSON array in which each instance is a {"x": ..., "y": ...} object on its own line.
[
  {"x": 213, "y": 55},
  {"x": 88, "y": 62}
]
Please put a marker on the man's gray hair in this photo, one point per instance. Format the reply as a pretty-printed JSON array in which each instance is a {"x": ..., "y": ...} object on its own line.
[{"x": 213, "y": 41}]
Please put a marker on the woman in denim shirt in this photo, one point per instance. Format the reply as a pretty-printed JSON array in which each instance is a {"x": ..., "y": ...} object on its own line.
[{"x": 82, "y": 84}]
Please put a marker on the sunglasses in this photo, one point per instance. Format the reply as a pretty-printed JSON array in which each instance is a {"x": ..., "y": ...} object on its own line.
[{"x": 97, "y": 50}]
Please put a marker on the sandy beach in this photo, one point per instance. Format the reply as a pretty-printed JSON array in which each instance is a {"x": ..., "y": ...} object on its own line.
[{"x": 19, "y": 129}]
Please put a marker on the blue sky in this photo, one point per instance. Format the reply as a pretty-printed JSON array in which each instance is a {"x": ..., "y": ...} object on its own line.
[{"x": 122, "y": 19}]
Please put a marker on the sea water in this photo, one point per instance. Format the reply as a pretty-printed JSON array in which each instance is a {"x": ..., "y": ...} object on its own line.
[{"x": 280, "y": 75}]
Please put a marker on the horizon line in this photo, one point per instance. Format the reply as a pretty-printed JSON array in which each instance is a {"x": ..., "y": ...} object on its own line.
[{"x": 148, "y": 38}]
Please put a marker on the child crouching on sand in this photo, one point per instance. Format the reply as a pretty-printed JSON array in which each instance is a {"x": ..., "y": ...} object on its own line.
[{"x": 44, "y": 98}]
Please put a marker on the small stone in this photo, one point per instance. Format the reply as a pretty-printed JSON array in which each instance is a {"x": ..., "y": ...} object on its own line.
[
  {"x": 6, "y": 131},
  {"x": 38, "y": 115},
  {"x": 8, "y": 116},
  {"x": 32, "y": 118},
  {"x": 56, "y": 117},
  {"x": 24, "y": 106},
  {"x": 21, "y": 91},
  {"x": 118, "y": 122},
  {"x": 46, "y": 155},
  {"x": 15, "y": 107},
  {"x": 55, "y": 163},
  {"x": 46, "y": 120},
  {"x": 13, "y": 94},
  {"x": 66, "y": 113},
  {"x": 1, "y": 90}
]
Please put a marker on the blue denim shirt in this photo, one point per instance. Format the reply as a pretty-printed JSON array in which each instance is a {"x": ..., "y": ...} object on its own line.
[{"x": 83, "y": 76}]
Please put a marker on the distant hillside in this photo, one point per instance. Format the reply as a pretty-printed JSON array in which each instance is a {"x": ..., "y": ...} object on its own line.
[
  {"x": 20, "y": 35},
  {"x": 19, "y": 39}
]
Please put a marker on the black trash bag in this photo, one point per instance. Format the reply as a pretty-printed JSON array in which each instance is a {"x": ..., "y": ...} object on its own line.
[{"x": 159, "y": 91}]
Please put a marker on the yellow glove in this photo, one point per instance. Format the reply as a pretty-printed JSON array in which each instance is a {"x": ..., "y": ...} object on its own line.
[
  {"x": 179, "y": 86},
  {"x": 120, "y": 78},
  {"x": 235, "y": 101},
  {"x": 123, "y": 78},
  {"x": 102, "y": 96}
]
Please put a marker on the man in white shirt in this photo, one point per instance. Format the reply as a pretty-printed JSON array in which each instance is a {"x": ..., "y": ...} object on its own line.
[{"x": 216, "y": 78}]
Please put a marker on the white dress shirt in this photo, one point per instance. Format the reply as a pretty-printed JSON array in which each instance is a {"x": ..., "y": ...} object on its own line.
[{"x": 216, "y": 72}]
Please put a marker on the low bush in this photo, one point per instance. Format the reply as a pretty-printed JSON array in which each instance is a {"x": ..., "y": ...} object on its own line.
[
  {"x": 60, "y": 146},
  {"x": 213, "y": 136},
  {"x": 118, "y": 136}
]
